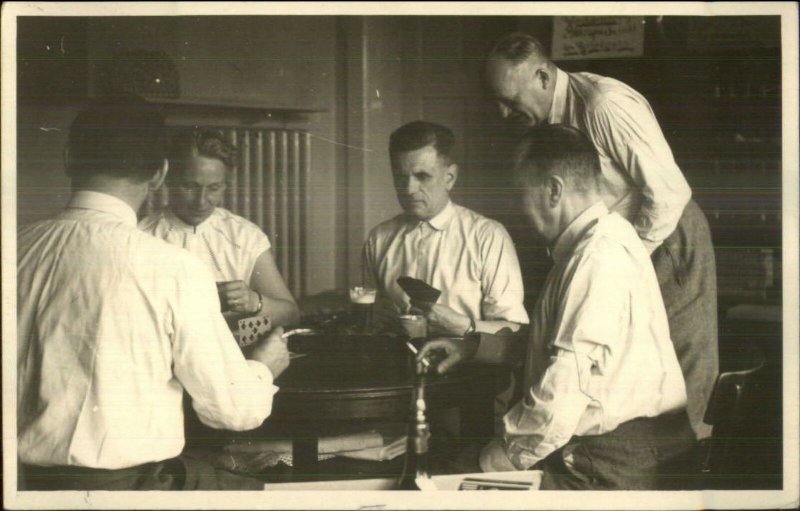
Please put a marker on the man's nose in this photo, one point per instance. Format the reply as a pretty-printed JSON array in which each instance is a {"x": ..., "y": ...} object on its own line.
[
  {"x": 201, "y": 198},
  {"x": 412, "y": 186}
]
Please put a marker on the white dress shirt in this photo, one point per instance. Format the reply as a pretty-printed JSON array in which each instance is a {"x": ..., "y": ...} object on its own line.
[
  {"x": 229, "y": 244},
  {"x": 599, "y": 352},
  {"x": 644, "y": 184},
  {"x": 113, "y": 325},
  {"x": 469, "y": 257}
]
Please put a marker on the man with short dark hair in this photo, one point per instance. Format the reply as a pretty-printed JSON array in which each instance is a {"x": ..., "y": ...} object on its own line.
[
  {"x": 603, "y": 403},
  {"x": 470, "y": 258},
  {"x": 114, "y": 324},
  {"x": 640, "y": 181}
]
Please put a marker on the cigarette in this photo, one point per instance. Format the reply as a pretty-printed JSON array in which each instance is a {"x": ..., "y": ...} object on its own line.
[
  {"x": 297, "y": 331},
  {"x": 415, "y": 351}
]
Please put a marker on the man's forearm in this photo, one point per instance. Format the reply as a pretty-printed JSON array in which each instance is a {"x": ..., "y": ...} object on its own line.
[
  {"x": 494, "y": 326},
  {"x": 281, "y": 312},
  {"x": 505, "y": 349}
]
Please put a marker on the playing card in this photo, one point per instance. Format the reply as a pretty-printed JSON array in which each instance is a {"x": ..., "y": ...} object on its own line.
[
  {"x": 252, "y": 329},
  {"x": 418, "y": 290}
]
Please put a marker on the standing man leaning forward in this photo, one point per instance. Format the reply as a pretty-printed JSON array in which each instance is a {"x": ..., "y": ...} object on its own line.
[
  {"x": 603, "y": 403},
  {"x": 641, "y": 182},
  {"x": 113, "y": 325}
]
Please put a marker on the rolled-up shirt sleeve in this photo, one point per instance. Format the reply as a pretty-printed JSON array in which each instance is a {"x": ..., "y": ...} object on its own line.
[
  {"x": 227, "y": 391},
  {"x": 593, "y": 323},
  {"x": 627, "y": 130},
  {"x": 501, "y": 278}
]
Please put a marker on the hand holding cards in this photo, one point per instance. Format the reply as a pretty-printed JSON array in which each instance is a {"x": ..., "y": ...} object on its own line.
[
  {"x": 421, "y": 294},
  {"x": 272, "y": 351},
  {"x": 236, "y": 296},
  {"x": 250, "y": 330}
]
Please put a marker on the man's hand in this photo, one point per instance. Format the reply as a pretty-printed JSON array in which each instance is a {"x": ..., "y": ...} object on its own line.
[
  {"x": 455, "y": 351},
  {"x": 442, "y": 319},
  {"x": 272, "y": 352},
  {"x": 235, "y": 296},
  {"x": 494, "y": 458}
]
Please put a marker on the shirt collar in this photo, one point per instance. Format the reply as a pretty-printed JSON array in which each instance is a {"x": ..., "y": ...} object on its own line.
[
  {"x": 559, "y": 98},
  {"x": 565, "y": 244},
  {"x": 442, "y": 220},
  {"x": 179, "y": 225},
  {"x": 88, "y": 199},
  {"x": 438, "y": 222}
]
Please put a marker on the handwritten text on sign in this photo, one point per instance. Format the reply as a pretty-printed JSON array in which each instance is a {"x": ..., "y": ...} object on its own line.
[{"x": 592, "y": 37}]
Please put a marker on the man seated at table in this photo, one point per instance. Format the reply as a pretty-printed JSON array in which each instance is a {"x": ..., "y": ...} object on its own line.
[
  {"x": 237, "y": 251},
  {"x": 604, "y": 397},
  {"x": 113, "y": 324},
  {"x": 468, "y": 257}
]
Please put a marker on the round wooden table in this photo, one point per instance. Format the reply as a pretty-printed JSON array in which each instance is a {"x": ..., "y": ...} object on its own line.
[
  {"x": 341, "y": 380},
  {"x": 359, "y": 377}
]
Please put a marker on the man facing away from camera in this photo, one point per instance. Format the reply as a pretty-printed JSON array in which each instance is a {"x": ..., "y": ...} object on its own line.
[
  {"x": 604, "y": 400},
  {"x": 640, "y": 181},
  {"x": 114, "y": 324}
]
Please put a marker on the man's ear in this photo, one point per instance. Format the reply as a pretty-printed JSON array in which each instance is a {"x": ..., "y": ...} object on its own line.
[
  {"x": 451, "y": 176},
  {"x": 158, "y": 178},
  {"x": 543, "y": 77},
  {"x": 555, "y": 190}
]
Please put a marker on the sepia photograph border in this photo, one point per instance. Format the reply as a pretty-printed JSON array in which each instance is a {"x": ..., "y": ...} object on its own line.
[{"x": 786, "y": 498}]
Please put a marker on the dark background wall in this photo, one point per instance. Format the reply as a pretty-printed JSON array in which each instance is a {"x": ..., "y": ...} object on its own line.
[{"x": 714, "y": 85}]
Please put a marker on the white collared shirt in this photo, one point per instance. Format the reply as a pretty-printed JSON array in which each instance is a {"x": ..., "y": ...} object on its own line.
[
  {"x": 113, "y": 325},
  {"x": 229, "y": 244},
  {"x": 643, "y": 182},
  {"x": 599, "y": 351},
  {"x": 469, "y": 257}
]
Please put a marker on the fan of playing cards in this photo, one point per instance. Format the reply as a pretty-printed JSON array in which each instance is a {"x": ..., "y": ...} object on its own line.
[{"x": 251, "y": 330}]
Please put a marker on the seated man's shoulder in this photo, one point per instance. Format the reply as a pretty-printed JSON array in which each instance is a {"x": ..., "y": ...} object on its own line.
[
  {"x": 153, "y": 253},
  {"x": 482, "y": 225},
  {"x": 152, "y": 222},
  {"x": 234, "y": 223},
  {"x": 388, "y": 227},
  {"x": 613, "y": 241}
]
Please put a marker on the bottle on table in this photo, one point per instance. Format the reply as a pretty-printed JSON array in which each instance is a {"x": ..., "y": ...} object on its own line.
[{"x": 415, "y": 468}]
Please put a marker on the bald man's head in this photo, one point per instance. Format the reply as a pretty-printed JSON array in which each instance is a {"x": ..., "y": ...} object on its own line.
[{"x": 521, "y": 78}]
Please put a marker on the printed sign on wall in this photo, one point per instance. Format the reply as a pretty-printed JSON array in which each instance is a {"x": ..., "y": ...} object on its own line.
[{"x": 597, "y": 37}]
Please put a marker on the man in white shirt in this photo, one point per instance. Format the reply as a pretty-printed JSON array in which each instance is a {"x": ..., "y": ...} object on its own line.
[
  {"x": 604, "y": 399},
  {"x": 114, "y": 325},
  {"x": 641, "y": 182},
  {"x": 470, "y": 258},
  {"x": 237, "y": 251}
]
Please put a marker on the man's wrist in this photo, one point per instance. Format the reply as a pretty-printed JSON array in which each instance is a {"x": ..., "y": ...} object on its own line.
[
  {"x": 470, "y": 328},
  {"x": 260, "y": 304}
]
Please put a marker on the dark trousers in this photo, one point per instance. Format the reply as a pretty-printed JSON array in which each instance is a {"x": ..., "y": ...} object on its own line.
[
  {"x": 181, "y": 473},
  {"x": 642, "y": 454},
  {"x": 687, "y": 274}
]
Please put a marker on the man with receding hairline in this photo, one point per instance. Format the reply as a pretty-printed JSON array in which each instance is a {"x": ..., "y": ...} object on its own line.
[
  {"x": 603, "y": 403},
  {"x": 640, "y": 181}
]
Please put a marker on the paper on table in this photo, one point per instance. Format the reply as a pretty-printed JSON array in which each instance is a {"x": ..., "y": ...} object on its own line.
[
  {"x": 326, "y": 445},
  {"x": 383, "y": 453},
  {"x": 256, "y": 456}
]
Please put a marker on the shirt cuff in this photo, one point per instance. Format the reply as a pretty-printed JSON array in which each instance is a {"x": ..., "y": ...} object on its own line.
[{"x": 262, "y": 372}]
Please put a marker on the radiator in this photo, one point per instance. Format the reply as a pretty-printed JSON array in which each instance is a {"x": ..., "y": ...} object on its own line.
[{"x": 268, "y": 187}]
